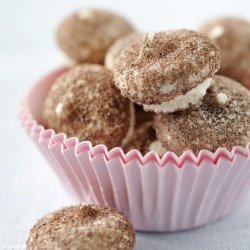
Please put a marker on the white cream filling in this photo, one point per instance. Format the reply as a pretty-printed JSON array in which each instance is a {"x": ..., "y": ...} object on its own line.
[
  {"x": 158, "y": 148},
  {"x": 131, "y": 125},
  {"x": 167, "y": 88},
  {"x": 182, "y": 101}
]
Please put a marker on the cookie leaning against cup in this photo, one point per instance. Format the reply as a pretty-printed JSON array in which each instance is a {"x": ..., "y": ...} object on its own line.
[
  {"x": 85, "y": 103},
  {"x": 82, "y": 227},
  {"x": 221, "y": 120},
  {"x": 167, "y": 71},
  {"x": 232, "y": 35},
  {"x": 86, "y": 35}
]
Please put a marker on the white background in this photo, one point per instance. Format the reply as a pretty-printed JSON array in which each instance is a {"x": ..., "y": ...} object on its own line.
[{"x": 28, "y": 188}]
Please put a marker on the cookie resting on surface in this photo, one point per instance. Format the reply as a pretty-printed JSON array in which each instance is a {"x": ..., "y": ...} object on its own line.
[{"x": 82, "y": 227}]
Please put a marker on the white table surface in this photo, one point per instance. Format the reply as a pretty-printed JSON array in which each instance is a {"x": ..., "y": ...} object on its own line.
[{"x": 28, "y": 188}]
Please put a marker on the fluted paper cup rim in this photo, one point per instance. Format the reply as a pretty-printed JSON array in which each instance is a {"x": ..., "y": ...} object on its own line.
[{"x": 38, "y": 130}]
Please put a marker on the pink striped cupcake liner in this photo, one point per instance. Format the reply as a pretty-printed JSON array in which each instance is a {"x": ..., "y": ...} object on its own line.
[{"x": 158, "y": 194}]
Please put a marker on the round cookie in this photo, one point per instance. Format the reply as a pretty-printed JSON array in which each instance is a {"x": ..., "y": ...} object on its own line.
[
  {"x": 221, "y": 120},
  {"x": 144, "y": 140},
  {"x": 116, "y": 49},
  {"x": 82, "y": 227},
  {"x": 85, "y": 103},
  {"x": 86, "y": 35},
  {"x": 167, "y": 71},
  {"x": 232, "y": 35}
]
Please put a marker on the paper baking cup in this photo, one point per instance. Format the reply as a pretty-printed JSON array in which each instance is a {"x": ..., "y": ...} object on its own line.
[{"x": 158, "y": 194}]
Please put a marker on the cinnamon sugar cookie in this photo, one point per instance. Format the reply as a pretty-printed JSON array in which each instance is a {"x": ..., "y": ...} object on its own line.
[
  {"x": 221, "y": 120},
  {"x": 85, "y": 103},
  {"x": 116, "y": 49},
  {"x": 85, "y": 227},
  {"x": 86, "y": 35},
  {"x": 232, "y": 35},
  {"x": 167, "y": 71}
]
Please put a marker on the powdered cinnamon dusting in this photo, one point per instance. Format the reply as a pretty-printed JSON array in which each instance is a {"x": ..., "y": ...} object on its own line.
[
  {"x": 82, "y": 227},
  {"x": 232, "y": 36},
  {"x": 86, "y": 36},
  {"x": 181, "y": 58},
  {"x": 210, "y": 125},
  {"x": 85, "y": 103}
]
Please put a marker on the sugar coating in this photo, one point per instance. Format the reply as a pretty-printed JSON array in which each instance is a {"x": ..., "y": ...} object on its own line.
[
  {"x": 86, "y": 35},
  {"x": 222, "y": 98},
  {"x": 232, "y": 35},
  {"x": 182, "y": 101},
  {"x": 212, "y": 124},
  {"x": 162, "y": 66},
  {"x": 119, "y": 45},
  {"x": 82, "y": 227},
  {"x": 85, "y": 103},
  {"x": 144, "y": 140}
]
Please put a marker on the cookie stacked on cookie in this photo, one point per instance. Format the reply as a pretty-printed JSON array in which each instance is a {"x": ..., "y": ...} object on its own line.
[
  {"x": 155, "y": 92},
  {"x": 167, "y": 71},
  {"x": 173, "y": 74}
]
